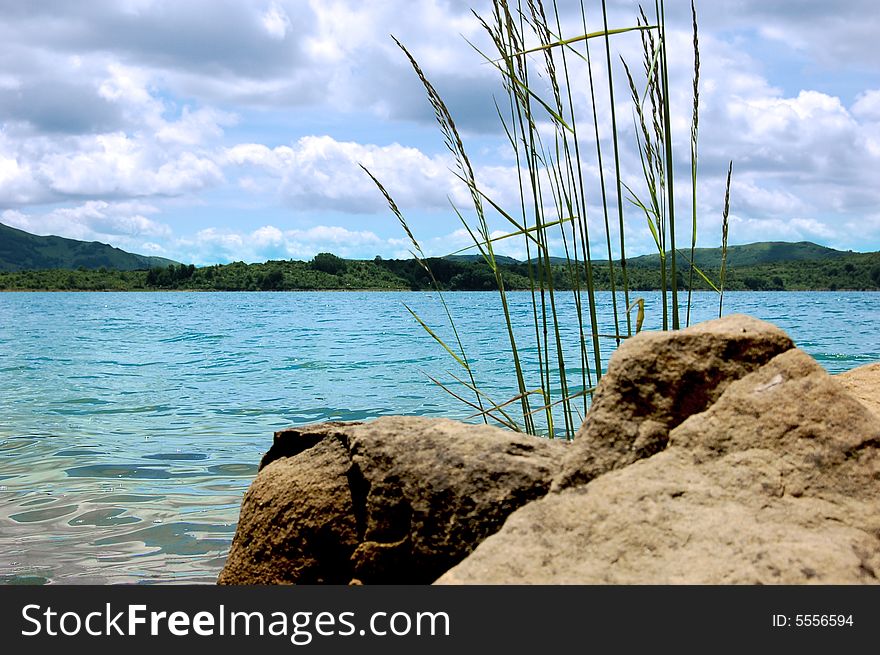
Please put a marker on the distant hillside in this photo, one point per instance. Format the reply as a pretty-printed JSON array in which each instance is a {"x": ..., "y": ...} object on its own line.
[
  {"x": 501, "y": 259},
  {"x": 22, "y": 251},
  {"x": 774, "y": 267},
  {"x": 751, "y": 254}
]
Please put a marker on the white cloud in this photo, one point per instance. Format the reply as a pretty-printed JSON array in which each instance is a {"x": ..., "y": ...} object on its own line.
[
  {"x": 119, "y": 165},
  {"x": 158, "y": 154},
  {"x": 321, "y": 173},
  {"x": 257, "y": 154},
  {"x": 867, "y": 105},
  {"x": 804, "y": 162},
  {"x": 775, "y": 229},
  {"x": 195, "y": 127},
  {"x": 128, "y": 85},
  {"x": 17, "y": 183},
  {"x": 269, "y": 242},
  {"x": 267, "y": 235},
  {"x": 120, "y": 222},
  {"x": 148, "y": 247},
  {"x": 108, "y": 101},
  {"x": 276, "y": 22}
]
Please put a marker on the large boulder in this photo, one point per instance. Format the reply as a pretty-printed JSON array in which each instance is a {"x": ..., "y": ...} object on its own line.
[
  {"x": 863, "y": 383},
  {"x": 395, "y": 500},
  {"x": 777, "y": 482},
  {"x": 655, "y": 380}
]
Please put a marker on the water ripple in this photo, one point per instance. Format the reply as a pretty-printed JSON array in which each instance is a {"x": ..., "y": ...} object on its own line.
[{"x": 132, "y": 424}]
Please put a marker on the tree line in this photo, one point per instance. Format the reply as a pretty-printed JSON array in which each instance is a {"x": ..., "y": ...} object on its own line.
[{"x": 326, "y": 271}]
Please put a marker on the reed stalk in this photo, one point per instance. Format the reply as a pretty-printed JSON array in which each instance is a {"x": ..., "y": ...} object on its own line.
[
  {"x": 724, "y": 231},
  {"x": 616, "y": 165},
  {"x": 695, "y": 122},
  {"x": 661, "y": 14},
  {"x": 541, "y": 122}
]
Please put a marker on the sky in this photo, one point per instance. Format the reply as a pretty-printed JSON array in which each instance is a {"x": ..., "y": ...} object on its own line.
[{"x": 210, "y": 131}]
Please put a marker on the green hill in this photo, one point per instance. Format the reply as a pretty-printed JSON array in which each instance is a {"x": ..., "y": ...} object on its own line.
[
  {"x": 768, "y": 267},
  {"x": 751, "y": 254},
  {"x": 501, "y": 259},
  {"x": 22, "y": 251}
]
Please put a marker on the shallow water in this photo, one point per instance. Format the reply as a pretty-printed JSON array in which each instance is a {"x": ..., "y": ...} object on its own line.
[{"x": 131, "y": 424}]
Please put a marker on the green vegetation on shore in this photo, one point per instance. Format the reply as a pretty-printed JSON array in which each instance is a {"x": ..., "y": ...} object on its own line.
[{"x": 749, "y": 270}]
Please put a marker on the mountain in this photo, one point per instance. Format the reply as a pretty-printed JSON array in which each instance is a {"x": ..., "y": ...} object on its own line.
[
  {"x": 21, "y": 251},
  {"x": 837, "y": 271},
  {"x": 501, "y": 259},
  {"x": 751, "y": 254}
]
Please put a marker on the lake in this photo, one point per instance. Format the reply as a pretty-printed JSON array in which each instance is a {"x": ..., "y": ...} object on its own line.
[{"x": 131, "y": 424}]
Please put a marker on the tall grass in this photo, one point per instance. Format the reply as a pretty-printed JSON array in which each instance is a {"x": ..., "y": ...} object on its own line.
[
  {"x": 724, "y": 230},
  {"x": 695, "y": 125},
  {"x": 541, "y": 72}
]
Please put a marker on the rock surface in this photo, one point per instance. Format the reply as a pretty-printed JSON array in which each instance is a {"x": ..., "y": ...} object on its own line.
[
  {"x": 714, "y": 455},
  {"x": 863, "y": 383},
  {"x": 777, "y": 482},
  {"x": 655, "y": 380},
  {"x": 396, "y": 500}
]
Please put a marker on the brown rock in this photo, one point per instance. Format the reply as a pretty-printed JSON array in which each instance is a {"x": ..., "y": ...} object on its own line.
[
  {"x": 396, "y": 500},
  {"x": 794, "y": 408},
  {"x": 777, "y": 482},
  {"x": 655, "y": 380},
  {"x": 284, "y": 496},
  {"x": 863, "y": 383}
]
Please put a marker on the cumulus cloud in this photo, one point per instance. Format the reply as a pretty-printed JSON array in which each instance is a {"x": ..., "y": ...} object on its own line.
[
  {"x": 17, "y": 183},
  {"x": 282, "y": 53},
  {"x": 319, "y": 172},
  {"x": 276, "y": 21},
  {"x": 120, "y": 222},
  {"x": 867, "y": 105},
  {"x": 804, "y": 160},
  {"x": 213, "y": 245},
  {"x": 145, "y": 100},
  {"x": 118, "y": 165},
  {"x": 799, "y": 160},
  {"x": 160, "y": 153}
]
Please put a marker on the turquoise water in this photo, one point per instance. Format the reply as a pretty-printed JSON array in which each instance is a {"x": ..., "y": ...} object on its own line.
[{"x": 131, "y": 424}]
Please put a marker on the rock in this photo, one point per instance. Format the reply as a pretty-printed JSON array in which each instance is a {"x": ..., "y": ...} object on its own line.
[
  {"x": 863, "y": 383},
  {"x": 655, "y": 380},
  {"x": 826, "y": 437},
  {"x": 777, "y": 482},
  {"x": 284, "y": 499},
  {"x": 395, "y": 500}
]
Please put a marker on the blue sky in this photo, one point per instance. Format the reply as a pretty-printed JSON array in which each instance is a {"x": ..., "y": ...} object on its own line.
[{"x": 217, "y": 130}]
